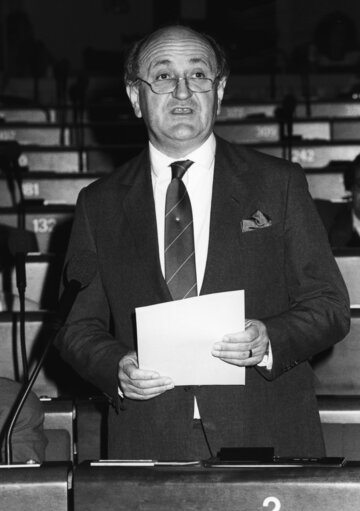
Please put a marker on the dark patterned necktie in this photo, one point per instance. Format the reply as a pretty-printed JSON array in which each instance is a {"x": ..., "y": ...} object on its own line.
[{"x": 180, "y": 270}]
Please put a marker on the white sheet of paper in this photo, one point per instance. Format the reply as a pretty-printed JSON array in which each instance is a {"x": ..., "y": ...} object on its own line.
[{"x": 176, "y": 338}]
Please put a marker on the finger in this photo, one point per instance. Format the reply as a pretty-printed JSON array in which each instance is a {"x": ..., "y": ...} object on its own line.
[
  {"x": 238, "y": 355},
  {"x": 135, "y": 392},
  {"x": 134, "y": 373},
  {"x": 233, "y": 345},
  {"x": 151, "y": 384},
  {"x": 230, "y": 350},
  {"x": 249, "y": 335}
]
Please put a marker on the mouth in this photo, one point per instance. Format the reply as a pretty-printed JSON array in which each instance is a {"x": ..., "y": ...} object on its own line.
[{"x": 182, "y": 111}]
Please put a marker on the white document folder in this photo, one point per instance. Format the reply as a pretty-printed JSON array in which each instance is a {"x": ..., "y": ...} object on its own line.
[{"x": 176, "y": 338}]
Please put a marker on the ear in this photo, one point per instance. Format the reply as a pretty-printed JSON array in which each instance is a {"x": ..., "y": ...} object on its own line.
[
  {"x": 132, "y": 90},
  {"x": 220, "y": 93}
]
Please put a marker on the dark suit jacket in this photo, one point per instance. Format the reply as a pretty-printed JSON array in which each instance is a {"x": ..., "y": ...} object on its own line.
[{"x": 291, "y": 283}]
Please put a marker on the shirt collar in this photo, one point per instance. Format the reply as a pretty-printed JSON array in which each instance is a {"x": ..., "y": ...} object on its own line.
[{"x": 203, "y": 155}]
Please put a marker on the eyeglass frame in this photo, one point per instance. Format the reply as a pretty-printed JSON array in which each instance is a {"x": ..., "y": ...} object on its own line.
[{"x": 186, "y": 78}]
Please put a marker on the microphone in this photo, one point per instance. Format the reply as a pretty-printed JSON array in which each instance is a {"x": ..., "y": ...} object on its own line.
[
  {"x": 12, "y": 164},
  {"x": 10, "y": 153},
  {"x": 19, "y": 246},
  {"x": 80, "y": 271}
]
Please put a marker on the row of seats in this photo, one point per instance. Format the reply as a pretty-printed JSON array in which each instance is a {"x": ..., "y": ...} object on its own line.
[
  {"x": 246, "y": 131},
  {"x": 55, "y": 188},
  {"x": 44, "y": 270},
  {"x": 231, "y": 109}
]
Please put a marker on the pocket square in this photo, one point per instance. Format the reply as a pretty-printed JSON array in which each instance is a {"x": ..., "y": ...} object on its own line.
[{"x": 258, "y": 220}]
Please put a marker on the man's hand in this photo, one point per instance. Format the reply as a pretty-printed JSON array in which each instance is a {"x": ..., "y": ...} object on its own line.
[
  {"x": 244, "y": 348},
  {"x": 138, "y": 383}
]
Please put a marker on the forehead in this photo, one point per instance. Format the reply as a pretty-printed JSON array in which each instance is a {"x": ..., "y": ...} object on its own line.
[{"x": 176, "y": 47}]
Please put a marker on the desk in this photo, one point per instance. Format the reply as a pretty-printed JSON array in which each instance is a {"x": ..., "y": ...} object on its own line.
[
  {"x": 41, "y": 488},
  {"x": 197, "y": 488}
]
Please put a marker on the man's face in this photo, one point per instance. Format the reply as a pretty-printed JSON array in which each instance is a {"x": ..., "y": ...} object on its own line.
[{"x": 180, "y": 121}]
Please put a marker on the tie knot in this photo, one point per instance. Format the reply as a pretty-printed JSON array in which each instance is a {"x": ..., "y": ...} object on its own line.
[{"x": 179, "y": 168}]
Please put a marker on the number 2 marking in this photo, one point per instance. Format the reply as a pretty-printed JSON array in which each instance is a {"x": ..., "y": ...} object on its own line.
[{"x": 272, "y": 500}]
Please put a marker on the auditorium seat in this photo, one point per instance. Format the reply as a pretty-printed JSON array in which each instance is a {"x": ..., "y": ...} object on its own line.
[
  {"x": 56, "y": 378},
  {"x": 93, "y": 159},
  {"x": 49, "y": 188},
  {"x": 348, "y": 261},
  {"x": 252, "y": 131},
  {"x": 30, "y": 114},
  {"x": 10, "y": 362},
  {"x": 327, "y": 183},
  {"x": 38, "y": 488},
  {"x": 50, "y": 225},
  {"x": 59, "y": 426},
  {"x": 55, "y": 159},
  {"x": 231, "y": 110},
  {"x": 35, "y": 134},
  {"x": 43, "y": 275},
  {"x": 91, "y": 427},
  {"x": 337, "y": 369},
  {"x": 339, "y": 409},
  {"x": 340, "y": 418},
  {"x": 346, "y": 129},
  {"x": 315, "y": 155}
]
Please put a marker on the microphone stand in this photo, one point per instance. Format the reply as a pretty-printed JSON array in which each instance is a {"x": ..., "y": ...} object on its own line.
[
  {"x": 10, "y": 153},
  {"x": 61, "y": 74},
  {"x": 307, "y": 92},
  {"x": 77, "y": 93},
  {"x": 289, "y": 105},
  {"x": 280, "y": 117},
  {"x": 19, "y": 245}
]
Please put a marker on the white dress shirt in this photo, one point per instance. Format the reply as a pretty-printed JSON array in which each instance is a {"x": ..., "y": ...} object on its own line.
[{"x": 198, "y": 180}]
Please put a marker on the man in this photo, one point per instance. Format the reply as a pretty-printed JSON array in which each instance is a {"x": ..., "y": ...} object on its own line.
[{"x": 254, "y": 228}]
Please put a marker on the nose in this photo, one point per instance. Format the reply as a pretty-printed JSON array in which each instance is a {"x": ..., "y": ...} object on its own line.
[{"x": 182, "y": 90}]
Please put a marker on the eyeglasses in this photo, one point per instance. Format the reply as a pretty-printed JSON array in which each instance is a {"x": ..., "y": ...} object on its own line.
[{"x": 169, "y": 85}]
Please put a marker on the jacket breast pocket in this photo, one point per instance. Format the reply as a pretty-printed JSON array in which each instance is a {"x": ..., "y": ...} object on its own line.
[{"x": 261, "y": 236}]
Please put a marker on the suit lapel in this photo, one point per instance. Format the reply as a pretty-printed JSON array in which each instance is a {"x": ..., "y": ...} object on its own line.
[
  {"x": 231, "y": 202},
  {"x": 139, "y": 209}
]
